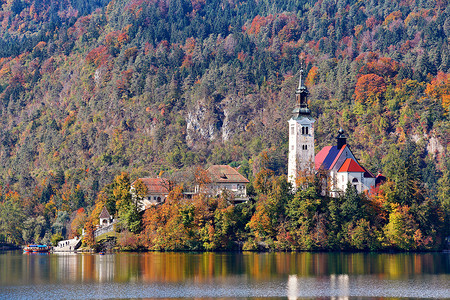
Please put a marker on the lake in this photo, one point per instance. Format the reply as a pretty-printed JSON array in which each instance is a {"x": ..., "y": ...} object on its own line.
[{"x": 224, "y": 275}]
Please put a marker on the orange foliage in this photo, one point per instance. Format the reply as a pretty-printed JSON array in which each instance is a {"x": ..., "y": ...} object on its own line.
[
  {"x": 41, "y": 45},
  {"x": 289, "y": 31},
  {"x": 163, "y": 227},
  {"x": 5, "y": 70},
  {"x": 369, "y": 88},
  {"x": 260, "y": 223},
  {"x": 98, "y": 56},
  {"x": 439, "y": 88},
  {"x": 78, "y": 223},
  {"x": 187, "y": 62},
  {"x": 116, "y": 39},
  {"x": 88, "y": 238},
  {"x": 313, "y": 76},
  {"x": 259, "y": 22},
  {"x": 99, "y": 204},
  {"x": 384, "y": 66},
  {"x": 189, "y": 46}
]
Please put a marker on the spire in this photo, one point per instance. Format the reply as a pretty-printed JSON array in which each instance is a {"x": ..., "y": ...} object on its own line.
[
  {"x": 300, "y": 81},
  {"x": 301, "y": 96}
]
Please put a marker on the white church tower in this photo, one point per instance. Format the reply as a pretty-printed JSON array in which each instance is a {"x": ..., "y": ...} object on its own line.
[{"x": 301, "y": 136}]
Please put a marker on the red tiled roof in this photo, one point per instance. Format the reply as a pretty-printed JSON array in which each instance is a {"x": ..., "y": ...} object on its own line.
[
  {"x": 350, "y": 165},
  {"x": 155, "y": 185},
  {"x": 224, "y": 173},
  {"x": 320, "y": 157},
  {"x": 104, "y": 214}
]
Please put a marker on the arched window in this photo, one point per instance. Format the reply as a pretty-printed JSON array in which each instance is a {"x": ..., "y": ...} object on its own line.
[
  {"x": 305, "y": 130},
  {"x": 355, "y": 180},
  {"x": 158, "y": 199}
]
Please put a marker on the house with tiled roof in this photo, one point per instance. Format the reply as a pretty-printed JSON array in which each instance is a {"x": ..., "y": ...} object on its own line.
[
  {"x": 226, "y": 178},
  {"x": 157, "y": 191},
  {"x": 337, "y": 163}
]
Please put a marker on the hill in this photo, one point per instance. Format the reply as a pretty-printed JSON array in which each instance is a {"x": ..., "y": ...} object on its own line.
[{"x": 89, "y": 89}]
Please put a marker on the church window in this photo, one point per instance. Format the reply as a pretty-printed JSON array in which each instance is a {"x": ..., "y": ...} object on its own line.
[
  {"x": 355, "y": 180},
  {"x": 292, "y": 130},
  {"x": 304, "y": 130}
]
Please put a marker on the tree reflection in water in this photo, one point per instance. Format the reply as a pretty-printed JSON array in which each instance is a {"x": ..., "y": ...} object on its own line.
[{"x": 219, "y": 275}]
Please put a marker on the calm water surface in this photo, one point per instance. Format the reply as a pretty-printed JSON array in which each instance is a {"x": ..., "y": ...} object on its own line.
[{"x": 224, "y": 276}]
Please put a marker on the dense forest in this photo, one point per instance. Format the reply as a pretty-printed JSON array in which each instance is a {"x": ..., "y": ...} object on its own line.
[{"x": 90, "y": 89}]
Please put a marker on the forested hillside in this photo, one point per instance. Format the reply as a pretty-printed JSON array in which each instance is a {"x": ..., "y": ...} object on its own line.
[{"x": 90, "y": 89}]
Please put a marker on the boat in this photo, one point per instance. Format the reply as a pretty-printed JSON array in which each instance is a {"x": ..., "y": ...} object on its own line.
[{"x": 36, "y": 249}]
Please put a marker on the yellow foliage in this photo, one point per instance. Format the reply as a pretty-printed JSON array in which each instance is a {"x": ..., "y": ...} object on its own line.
[{"x": 392, "y": 17}]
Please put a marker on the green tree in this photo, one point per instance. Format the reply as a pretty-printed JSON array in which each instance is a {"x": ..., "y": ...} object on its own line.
[
  {"x": 304, "y": 216},
  {"x": 56, "y": 238},
  {"x": 12, "y": 219},
  {"x": 127, "y": 209}
]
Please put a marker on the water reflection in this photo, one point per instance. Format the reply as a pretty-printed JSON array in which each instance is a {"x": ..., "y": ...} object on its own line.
[
  {"x": 292, "y": 287},
  {"x": 340, "y": 286},
  {"x": 167, "y": 275},
  {"x": 201, "y": 267}
]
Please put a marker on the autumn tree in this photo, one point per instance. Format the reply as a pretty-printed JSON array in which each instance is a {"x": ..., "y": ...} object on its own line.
[{"x": 369, "y": 89}]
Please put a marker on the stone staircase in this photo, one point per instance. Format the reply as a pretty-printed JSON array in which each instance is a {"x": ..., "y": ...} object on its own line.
[{"x": 68, "y": 245}]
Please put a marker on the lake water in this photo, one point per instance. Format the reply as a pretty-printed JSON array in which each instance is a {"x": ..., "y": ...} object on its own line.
[{"x": 224, "y": 276}]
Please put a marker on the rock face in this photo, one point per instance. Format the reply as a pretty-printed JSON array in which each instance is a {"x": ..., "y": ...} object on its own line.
[
  {"x": 200, "y": 124},
  {"x": 433, "y": 144},
  {"x": 210, "y": 119}
]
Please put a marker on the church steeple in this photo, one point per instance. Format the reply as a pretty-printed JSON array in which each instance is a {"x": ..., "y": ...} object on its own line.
[
  {"x": 301, "y": 159},
  {"x": 301, "y": 97}
]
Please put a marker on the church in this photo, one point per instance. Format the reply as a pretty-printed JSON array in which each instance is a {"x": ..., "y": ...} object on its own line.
[{"x": 337, "y": 162}]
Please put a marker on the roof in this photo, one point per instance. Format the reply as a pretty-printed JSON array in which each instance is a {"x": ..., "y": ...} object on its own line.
[
  {"x": 155, "y": 185},
  {"x": 367, "y": 173},
  {"x": 350, "y": 165},
  {"x": 325, "y": 157},
  {"x": 104, "y": 214},
  {"x": 224, "y": 173},
  {"x": 337, "y": 156}
]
